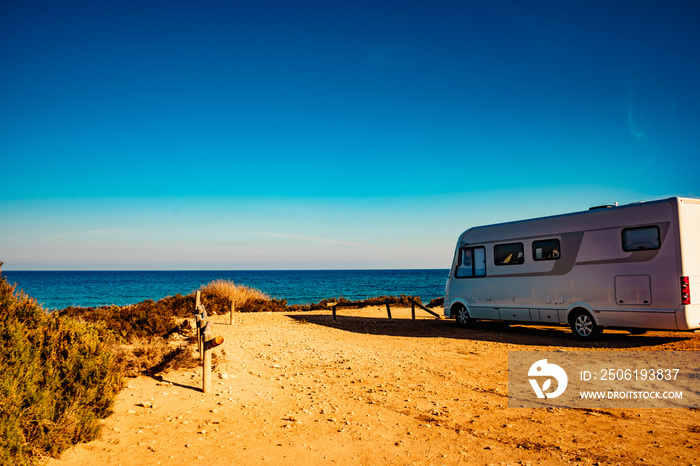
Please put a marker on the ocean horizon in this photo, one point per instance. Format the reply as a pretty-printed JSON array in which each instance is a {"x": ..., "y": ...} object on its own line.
[{"x": 58, "y": 289}]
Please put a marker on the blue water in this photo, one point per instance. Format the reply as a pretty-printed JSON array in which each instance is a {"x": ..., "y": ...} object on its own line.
[{"x": 60, "y": 289}]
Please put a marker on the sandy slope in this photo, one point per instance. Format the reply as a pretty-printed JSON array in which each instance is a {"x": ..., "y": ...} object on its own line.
[{"x": 302, "y": 389}]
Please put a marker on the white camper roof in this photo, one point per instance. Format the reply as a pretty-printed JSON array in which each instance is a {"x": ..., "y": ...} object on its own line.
[{"x": 605, "y": 216}]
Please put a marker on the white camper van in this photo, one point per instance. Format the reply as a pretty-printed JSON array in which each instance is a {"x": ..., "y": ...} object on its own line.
[{"x": 634, "y": 267}]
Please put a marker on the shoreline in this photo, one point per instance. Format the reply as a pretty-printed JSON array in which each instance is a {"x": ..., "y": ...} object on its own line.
[{"x": 58, "y": 290}]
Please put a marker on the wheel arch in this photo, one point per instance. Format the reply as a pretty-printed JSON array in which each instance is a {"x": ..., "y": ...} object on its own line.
[
  {"x": 575, "y": 308},
  {"x": 458, "y": 302}
]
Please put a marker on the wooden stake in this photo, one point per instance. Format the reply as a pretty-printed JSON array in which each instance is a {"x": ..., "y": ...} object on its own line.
[
  {"x": 206, "y": 362},
  {"x": 198, "y": 318},
  {"x": 206, "y": 373},
  {"x": 233, "y": 308},
  {"x": 209, "y": 344}
]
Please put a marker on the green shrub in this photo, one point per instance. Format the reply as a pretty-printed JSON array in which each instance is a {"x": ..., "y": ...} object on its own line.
[{"x": 57, "y": 379}]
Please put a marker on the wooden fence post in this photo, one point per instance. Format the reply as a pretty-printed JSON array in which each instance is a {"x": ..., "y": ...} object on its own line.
[
  {"x": 198, "y": 320},
  {"x": 201, "y": 323},
  {"x": 206, "y": 363},
  {"x": 388, "y": 310},
  {"x": 205, "y": 342},
  {"x": 209, "y": 344}
]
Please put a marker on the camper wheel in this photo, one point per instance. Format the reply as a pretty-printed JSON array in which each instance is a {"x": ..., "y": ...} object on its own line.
[
  {"x": 583, "y": 326},
  {"x": 462, "y": 316}
]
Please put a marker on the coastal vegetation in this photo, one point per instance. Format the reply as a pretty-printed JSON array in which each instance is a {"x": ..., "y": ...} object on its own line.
[
  {"x": 57, "y": 379},
  {"x": 60, "y": 372}
]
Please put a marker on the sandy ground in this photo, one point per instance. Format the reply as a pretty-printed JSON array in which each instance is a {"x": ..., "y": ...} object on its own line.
[{"x": 303, "y": 389}]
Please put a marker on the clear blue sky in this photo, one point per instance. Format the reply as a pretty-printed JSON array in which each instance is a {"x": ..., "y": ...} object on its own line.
[{"x": 329, "y": 134}]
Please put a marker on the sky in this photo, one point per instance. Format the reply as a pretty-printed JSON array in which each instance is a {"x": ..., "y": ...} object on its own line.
[{"x": 241, "y": 135}]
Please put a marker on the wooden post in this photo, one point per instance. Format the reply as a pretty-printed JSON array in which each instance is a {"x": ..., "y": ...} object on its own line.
[
  {"x": 206, "y": 363},
  {"x": 233, "y": 308},
  {"x": 413, "y": 310},
  {"x": 198, "y": 318},
  {"x": 205, "y": 342},
  {"x": 209, "y": 344},
  {"x": 198, "y": 321},
  {"x": 201, "y": 323},
  {"x": 388, "y": 310},
  {"x": 334, "y": 307}
]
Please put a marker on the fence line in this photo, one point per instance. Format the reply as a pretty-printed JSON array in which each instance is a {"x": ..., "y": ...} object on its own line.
[{"x": 387, "y": 303}]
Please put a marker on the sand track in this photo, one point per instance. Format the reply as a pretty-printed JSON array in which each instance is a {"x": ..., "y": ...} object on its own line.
[{"x": 301, "y": 388}]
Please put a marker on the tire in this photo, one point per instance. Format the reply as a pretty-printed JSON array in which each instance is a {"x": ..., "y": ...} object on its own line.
[
  {"x": 584, "y": 327},
  {"x": 462, "y": 316}
]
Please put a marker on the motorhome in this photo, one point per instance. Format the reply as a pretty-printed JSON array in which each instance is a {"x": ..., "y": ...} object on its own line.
[{"x": 634, "y": 267}]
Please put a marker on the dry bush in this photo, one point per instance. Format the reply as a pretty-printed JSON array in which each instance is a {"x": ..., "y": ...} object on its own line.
[
  {"x": 437, "y": 302},
  {"x": 229, "y": 291},
  {"x": 143, "y": 320},
  {"x": 152, "y": 356}
]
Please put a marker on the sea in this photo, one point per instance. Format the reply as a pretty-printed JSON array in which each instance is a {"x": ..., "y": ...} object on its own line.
[{"x": 61, "y": 289}]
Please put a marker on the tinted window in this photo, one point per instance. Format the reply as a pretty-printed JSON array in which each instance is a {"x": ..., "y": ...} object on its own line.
[
  {"x": 640, "y": 239},
  {"x": 546, "y": 250},
  {"x": 508, "y": 254},
  {"x": 471, "y": 262}
]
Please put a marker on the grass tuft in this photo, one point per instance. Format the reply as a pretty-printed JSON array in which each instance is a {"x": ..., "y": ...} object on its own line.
[{"x": 230, "y": 292}]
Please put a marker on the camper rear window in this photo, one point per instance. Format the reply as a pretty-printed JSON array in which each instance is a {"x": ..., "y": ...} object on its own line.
[
  {"x": 471, "y": 262},
  {"x": 508, "y": 254},
  {"x": 546, "y": 250},
  {"x": 641, "y": 239}
]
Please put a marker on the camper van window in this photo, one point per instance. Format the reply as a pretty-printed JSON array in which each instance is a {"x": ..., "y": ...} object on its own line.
[
  {"x": 641, "y": 239},
  {"x": 471, "y": 262},
  {"x": 508, "y": 254},
  {"x": 546, "y": 250}
]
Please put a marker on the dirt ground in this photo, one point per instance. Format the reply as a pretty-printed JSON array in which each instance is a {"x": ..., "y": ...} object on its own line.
[{"x": 304, "y": 389}]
